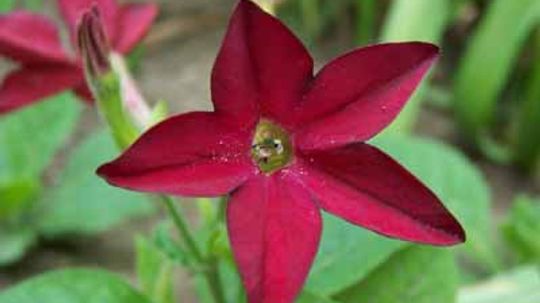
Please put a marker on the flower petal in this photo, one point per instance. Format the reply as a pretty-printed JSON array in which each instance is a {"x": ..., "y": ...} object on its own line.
[
  {"x": 260, "y": 64},
  {"x": 30, "y": 38},
  {"x": 357, "y": 95},
  {"x": 72, "y": 11},
  {"x": 134, "y": 22},
  {"x": 31, "y": 84},
  {"x": 366, "y": 187},
  {"x": 194, "y": 154},
  {"x": 274, "y": 229}
]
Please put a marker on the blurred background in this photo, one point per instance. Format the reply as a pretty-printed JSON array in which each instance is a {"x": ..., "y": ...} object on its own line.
[{"x": 475, "y": 122}]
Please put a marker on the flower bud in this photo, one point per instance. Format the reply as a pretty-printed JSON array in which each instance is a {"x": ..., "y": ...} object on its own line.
[{"x": 93, "y": 44}]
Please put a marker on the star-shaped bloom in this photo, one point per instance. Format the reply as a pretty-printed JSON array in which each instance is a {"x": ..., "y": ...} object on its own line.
[
  {"x": 285, "y": 144},
  {"x": 45, "y": 68}
]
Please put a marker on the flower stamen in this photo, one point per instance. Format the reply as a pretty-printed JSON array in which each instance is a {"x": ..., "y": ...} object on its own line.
[{"x": 271, "y": 148}]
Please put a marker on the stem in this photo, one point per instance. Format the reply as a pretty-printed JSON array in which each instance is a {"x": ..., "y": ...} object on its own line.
[
  {"x": 109, "y": 99},
  {"x": 222, "y": 208},
  {"x": 210, "y": 265},
  {"x": 212, "y": 274},
  {"x": 132, "y": 100},
  {"x": 214, "y": 281},
  {"x": 183, "y": 229}
]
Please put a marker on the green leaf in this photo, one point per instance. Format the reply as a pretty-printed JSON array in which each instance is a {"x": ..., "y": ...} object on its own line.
[
  {"x": 311, "y": 18},
  {"x": 456, "y": 181},
  {"x": 73, "y": 286},
  {"x": 418, "y": 20},
  {"x": 347, "y": 254},
  {"x": 14, "y": 243},
  {"x": 415, "y": 20},
  {"x": 521, "y": 285},
  {"x": 167, "y": 244},
  {"x": 527, "y": 141},
  {"x": 488, "y": 62},
  {"x": 418, "y": 274},
  {"x": 154, "y": 272},
  {"x": 29, "y": 138},
  {"x": 522, "y": 229},
  {"x": 34, "y": 5},
  {"x": 17, "y": 196},
  {"x": 311, "y": 297},
  {"x": 366, "y": 20},
  {"x": 83, "y": 202},
  {"x": 7, "y": 5}
]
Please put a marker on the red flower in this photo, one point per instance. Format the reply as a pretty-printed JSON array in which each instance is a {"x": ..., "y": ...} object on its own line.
[
  {"x": 285, "y": 144},
  {"x": 45, "y": 67}
]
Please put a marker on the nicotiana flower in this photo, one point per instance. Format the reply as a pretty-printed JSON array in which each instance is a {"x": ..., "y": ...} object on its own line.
[
  {"x": 45, "y": 68},
  {"x": 285, "y": 144}
]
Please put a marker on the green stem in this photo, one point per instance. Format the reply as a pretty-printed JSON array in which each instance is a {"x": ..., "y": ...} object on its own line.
[
  {"x": 107, "y": 90},
  {"x": 210, "y": 265},
  {"x": 214, "y": 281},
  {"x": 222, "y": 208},
  {"x": 213, "y": 273},
  {"x": 183, "y": 229}
]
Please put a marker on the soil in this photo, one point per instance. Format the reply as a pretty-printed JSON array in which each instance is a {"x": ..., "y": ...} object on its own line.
[{"x": 177, "y": 62}]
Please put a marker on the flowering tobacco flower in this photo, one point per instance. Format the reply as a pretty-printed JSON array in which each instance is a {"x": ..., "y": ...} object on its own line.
[
  {"x": 45, "y": 67},
  {"x": 285, "y": 144}
]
